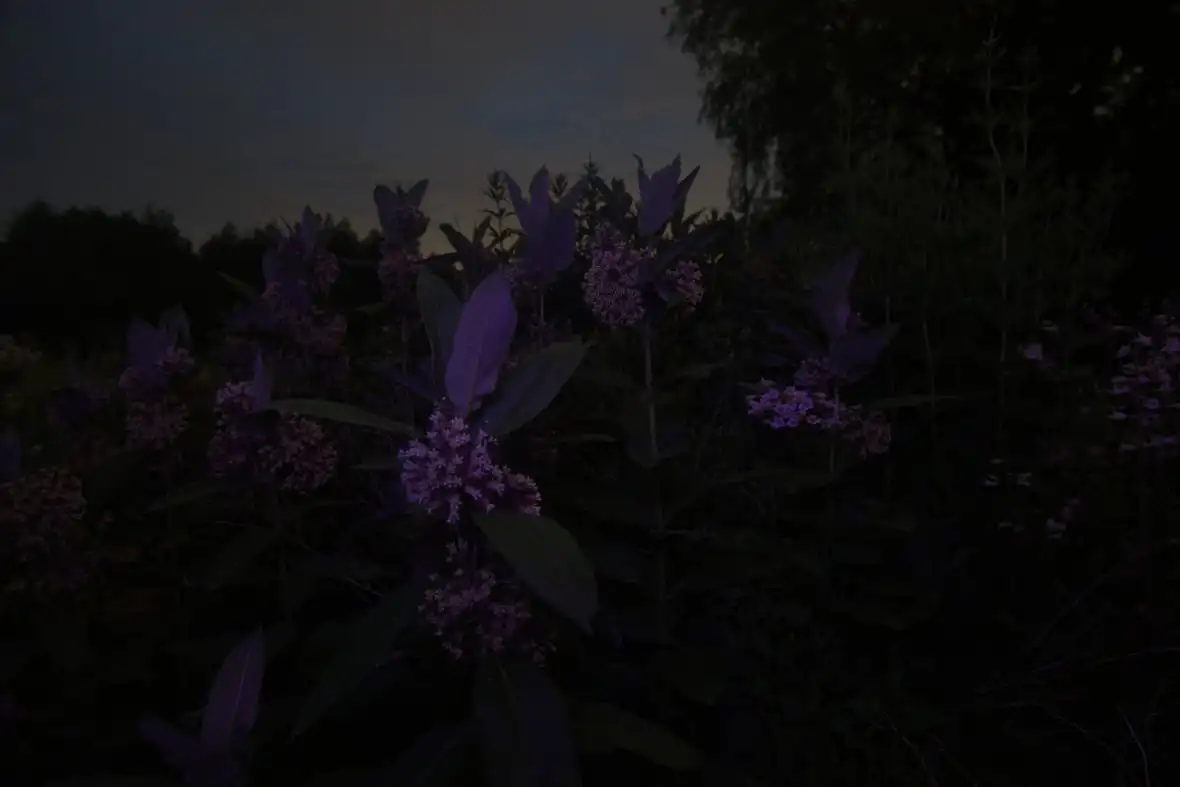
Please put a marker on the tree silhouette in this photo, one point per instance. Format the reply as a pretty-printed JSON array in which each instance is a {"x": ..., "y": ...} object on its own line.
[{"x": 780, "y": 80}]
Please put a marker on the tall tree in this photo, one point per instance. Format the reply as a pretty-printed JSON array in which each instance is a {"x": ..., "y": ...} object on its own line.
[{"x": 779, "y": 76}]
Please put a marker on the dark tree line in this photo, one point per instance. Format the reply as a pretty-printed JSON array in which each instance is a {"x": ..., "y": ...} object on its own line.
[
  {"x": 73, "y": 278},
  {"x": 1082, "y": 94}
]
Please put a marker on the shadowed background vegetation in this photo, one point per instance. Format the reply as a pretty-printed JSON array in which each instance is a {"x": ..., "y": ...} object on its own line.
[{"x": 946, "y": 614}]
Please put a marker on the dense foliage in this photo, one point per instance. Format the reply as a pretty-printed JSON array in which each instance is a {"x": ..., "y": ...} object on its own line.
[
  {"x": 863, "y": 483},
  {"x": 622, "y": 494}
]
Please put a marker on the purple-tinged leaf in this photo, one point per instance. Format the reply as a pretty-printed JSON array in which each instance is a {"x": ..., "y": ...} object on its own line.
[
  {"x": 417, "y": 193},
  {"x": 854, "y": 355},
  {"x": 529, "y": 388},
  {"x": 641, "y": 175},
  {"x": 551, "y": 252},
  {"x": 657, "y": 197},
  {"x": 523, "y": 727},
  {"x": 539, "y": 197},
  {"x": 482, "y": 338},
  {"x": 179, "y": 749},
  {"x": 803, "y": 345},
  {"x": 233, "y": 699},
  {"x": 527, "y": 210},
  {"x": 415, "y": 383},
  {"x": 261, "y": 385},
  {"x": 9, "y": 456},
  {"x": 174, "y": 322},
  {"x": 830, "y": 296},
  {"x": 146, "y": 344}
]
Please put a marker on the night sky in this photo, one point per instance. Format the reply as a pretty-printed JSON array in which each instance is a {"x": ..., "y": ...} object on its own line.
[{"x": 246, "y": 110}]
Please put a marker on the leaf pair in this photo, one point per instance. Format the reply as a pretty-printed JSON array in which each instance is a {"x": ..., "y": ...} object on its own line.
[
  {"x": 148, "y": 344},
  {"x": 550, "y": 229},
  {"x": 230, "y": 714},
  {"x": 399, "y": 214},
  {"x": 853, "y": 350},
  {"x": 470, "y": 343},
  {"x": 661, "y": 196}
]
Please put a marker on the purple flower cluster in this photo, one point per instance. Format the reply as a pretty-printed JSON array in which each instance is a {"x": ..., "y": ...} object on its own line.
[
  {"x": 474, "y": 611},
  {"x": 289, "y": 451},
  {"x": 40, "y": 514},
  {"x": 613, "y": 286},
  {"x": 154, "y": 416},
  {"x": 1143, "y": 392},
  {"x": 452, "y": 467},
  {"x": 793, "y": 406}
]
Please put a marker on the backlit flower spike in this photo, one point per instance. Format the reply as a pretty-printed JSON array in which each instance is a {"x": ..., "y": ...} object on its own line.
[
  {"x": 830, "y": 296},
  {"x": 400, "y": 216},
  {"x": 661, "y": 195},
  {"x": 533, "y": 215},
  {"x": 261, "y": 385},
  {"x": 147, "y": 344},
  {"x": 308, "y": 230}
]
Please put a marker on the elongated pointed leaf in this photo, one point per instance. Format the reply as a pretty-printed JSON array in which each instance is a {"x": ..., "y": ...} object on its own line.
[
  {"x": 238, "y": 554},
  {"x": 530, "y": 387},
  {"x": 233, "y": 699},
  {"x": 602, "y": 727},
  {"x": 482, "y": 338},
  {"x": 830, "y": 295},
  {"x": 179, "y": 749},
  {"x": 547, "y": 559},
  {"x": 440, "y": 310},
  {"x": 523, "y": 727},
  {"x": 239, "y": 286},
  {"x": 434, "y": 760},
  {"x": 854, "y": 355},
  {"x": 366, "y": 644},
  {"x": 341, "y": 413}
]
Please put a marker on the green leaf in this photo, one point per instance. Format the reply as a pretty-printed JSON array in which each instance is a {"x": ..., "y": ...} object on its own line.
[
  {"x": 440, "y": 309},
  {"x": 364, "y": 645},
  {"x": 236, "y": 556},
  {"x": 530, "y": 387},
  {"x": 602, "y": 727},
  {"x": 547, "y": 559},
  {"x": 523, "y": 727},
  {"x": 187, "y": 495},
  {"x": 433, "y": 760},
  {"x": 341, "y": 413},
  {"x": 239, "y": 286}
]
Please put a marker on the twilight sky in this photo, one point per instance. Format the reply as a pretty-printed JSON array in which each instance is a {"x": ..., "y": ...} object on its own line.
[{"x": 244, "y": 110}]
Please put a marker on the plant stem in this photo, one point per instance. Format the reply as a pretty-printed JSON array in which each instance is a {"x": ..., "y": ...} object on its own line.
[{"x": 659, "y": 526}]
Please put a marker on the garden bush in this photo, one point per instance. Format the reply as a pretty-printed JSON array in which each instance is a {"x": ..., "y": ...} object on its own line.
[{"x": 598, "y": 500}]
